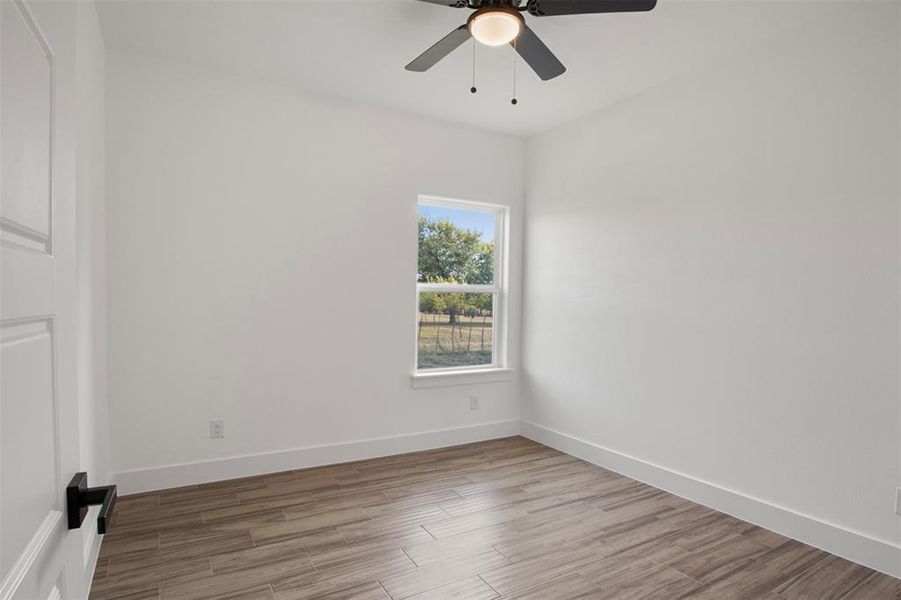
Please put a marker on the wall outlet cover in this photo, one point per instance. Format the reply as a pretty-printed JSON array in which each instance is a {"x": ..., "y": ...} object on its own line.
[
  {"x": 473, "y": 403},
  {"x": 217, "y": 429}
]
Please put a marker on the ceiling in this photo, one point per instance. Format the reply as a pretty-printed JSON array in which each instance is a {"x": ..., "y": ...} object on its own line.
[{"x": 356, "y": 50}]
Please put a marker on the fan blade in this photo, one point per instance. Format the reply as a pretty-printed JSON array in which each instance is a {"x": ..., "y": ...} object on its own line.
[
  {"x": 550, "y": 8},
  {"x": 539, "y": 57},
  {"x": 448, "y": 44}
]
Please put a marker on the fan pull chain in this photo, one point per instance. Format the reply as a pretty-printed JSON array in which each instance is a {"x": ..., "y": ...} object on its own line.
[
  {"x": 473, "y": 88},
  {"x": 514, "y": 100}
]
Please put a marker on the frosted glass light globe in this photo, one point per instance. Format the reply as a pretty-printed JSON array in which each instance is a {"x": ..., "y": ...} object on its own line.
[{"x": 495, "y": 28}]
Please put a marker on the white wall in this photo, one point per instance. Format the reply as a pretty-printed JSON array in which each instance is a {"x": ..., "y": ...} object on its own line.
[
  {"x": 712, "y": 278},
  {"x": 262, "y": 260},
  {"x": 90, "y": 63}
]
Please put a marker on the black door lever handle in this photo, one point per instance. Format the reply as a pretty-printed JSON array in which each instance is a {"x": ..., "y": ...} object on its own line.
[{"x": 79, "y": 496}]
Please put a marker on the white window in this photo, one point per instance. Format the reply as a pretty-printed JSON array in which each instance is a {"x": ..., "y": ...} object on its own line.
[{"x": 460, "y": 286}]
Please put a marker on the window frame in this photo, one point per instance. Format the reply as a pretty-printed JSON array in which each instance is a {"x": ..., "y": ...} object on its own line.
[{"x": 498, "y": 289}]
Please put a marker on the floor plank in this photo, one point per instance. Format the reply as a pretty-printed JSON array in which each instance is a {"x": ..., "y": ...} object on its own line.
[{"x": 505, "y": 519}]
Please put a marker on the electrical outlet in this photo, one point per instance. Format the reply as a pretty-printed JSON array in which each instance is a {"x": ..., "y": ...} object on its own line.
[
  {"x": 217, "y": 429},
  {"x": 898, "y": 501},
  {"x": 473, "y": 403}
]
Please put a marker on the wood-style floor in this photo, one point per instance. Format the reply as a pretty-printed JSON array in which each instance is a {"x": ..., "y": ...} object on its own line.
[{"x": 501, "y": 519}]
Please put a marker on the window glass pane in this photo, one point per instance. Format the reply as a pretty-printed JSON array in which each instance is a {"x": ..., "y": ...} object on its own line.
[
  {"x": 456, "y": 245},
  {"x": 455, "y": 330}
]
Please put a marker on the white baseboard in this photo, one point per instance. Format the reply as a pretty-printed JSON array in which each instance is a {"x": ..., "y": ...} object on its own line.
[
  {"x": 158, "y": 478},
  {"x": 881, "y": 555}
]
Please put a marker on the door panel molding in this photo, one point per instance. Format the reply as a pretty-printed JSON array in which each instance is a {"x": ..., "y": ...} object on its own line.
[
  {"x": 33, "y": 550},
  {"x": 31, "y": 225},
  {"x": 21, "y": 335},
  {"x": 16, "y": 235}
]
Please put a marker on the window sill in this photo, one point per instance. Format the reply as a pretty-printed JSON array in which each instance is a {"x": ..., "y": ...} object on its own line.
[{"x": 475, "y": 376}]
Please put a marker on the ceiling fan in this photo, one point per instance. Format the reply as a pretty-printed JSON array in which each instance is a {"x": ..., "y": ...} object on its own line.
[{"x": 499, "y": 22}]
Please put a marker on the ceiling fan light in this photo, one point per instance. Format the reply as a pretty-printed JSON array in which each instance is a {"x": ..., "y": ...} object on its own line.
[{"x": 495, "y": 27}]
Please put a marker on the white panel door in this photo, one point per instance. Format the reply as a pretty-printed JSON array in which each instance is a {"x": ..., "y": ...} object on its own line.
[{"x": 39, "y": 557}]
